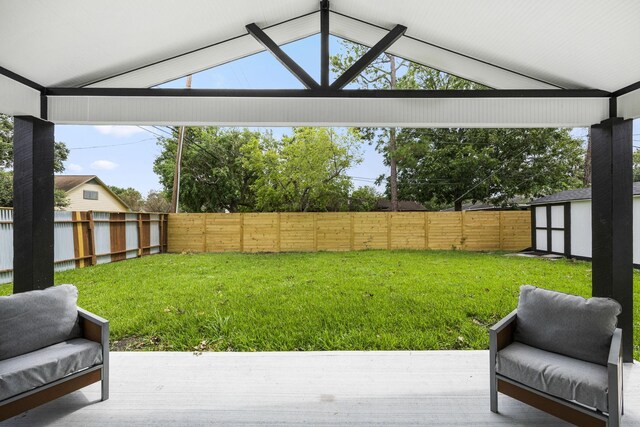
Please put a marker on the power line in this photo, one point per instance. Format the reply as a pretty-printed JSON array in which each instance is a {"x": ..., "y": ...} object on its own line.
[{"x": 110, "y": 145}]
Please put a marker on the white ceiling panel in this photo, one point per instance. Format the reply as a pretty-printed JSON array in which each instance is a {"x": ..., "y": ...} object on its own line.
[{"x": 568, "y": 43}]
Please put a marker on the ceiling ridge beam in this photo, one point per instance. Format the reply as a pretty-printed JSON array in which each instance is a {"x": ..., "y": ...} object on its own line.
[
  {"x": 324, "y": 43},
  {"x": 332, "y": 93},
  {"x": 371, "y": 55},
  {"x": 291, "y": 65}
]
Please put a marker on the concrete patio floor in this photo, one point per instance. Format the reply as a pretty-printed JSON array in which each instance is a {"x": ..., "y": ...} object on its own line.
[{"x": 444, "y": 388}]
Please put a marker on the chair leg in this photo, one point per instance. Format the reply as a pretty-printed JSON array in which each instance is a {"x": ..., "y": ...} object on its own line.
[
  {"x": 105, "y": 385},
  {"x": 493, "y": 391}
]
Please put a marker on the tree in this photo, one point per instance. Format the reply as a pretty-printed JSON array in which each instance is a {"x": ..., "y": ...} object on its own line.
[
  {"x": 156, "y": 202},
  {"x": 303, "y": 172},
  {"x": 636, "y": 166},
  {"x": 130, "y": 196},
  {"x": 491, "y": 165},
  {"x": 214, "y": 177},
  {"x": 61, "y": 153},
  {"x": 363, "y": 199},
  {"x": 381, "y": 74}
]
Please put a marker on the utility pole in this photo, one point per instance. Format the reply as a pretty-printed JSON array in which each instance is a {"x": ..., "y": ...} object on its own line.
[{"x": 175, "y": 195}]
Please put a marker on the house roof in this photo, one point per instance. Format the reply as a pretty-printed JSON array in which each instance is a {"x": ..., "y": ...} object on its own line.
[
  {"x": 577, "y": 194},
  {"x": 403, "y": 205},
  {"x": 68, "y": 183}
]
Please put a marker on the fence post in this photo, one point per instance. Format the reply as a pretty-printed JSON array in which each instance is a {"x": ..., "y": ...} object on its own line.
[
  {"x": 389, "y": 218},
  {"x": 139, "y": 229},
  {"x": 241, "y": 233},
  {"x": 204, "y": 232},
  {"x": 426, "y": 230},
  {"x": 462, "y": 239},
  {"x": 352, "y": 236},
  {"x": 315, "y": 231},
  {"x": 278, "y": 232},
  {"x": 500, "y": 226},
  {"x": 92, "y": 238}
]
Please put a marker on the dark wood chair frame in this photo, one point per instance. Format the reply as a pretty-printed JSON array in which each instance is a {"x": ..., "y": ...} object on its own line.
[
  {"x": 501, "y": 335},
  {"x": 94, "y": 328}
]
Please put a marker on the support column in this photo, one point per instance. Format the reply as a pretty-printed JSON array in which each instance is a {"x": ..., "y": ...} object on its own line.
[
  {"x": 612, "y": 220},
  {"x": 33, "y": 148}
]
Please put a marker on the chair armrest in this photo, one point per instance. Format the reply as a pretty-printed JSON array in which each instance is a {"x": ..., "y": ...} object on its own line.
[
  {"x": 614, "y": 374},
  {"x": 615, "y": 351},
  {"x": 95, "y": 328},
  {"x": 501, "y": 334}
]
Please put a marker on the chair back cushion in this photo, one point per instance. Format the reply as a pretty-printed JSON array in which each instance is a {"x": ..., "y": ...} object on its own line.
[
  {"x": 566, "y": 324},
  {"x": 36, "y": 319}
]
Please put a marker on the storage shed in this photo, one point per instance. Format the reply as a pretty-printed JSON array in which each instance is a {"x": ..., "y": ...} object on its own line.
[{"x": 561, "y": 224}]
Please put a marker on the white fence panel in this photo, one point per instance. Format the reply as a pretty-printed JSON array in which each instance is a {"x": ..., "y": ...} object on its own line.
[
  {"x": 132, "y": 235},
  {"x": 154, "y": 231},
  {"x": 102, "y": 235},
  {"x": 6, "y": 245}
]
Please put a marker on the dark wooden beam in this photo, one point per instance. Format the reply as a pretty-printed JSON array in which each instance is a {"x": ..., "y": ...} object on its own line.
[
  {"x": 330, "y": 93},
  {"x": 281, "y": 56},
  {"x": 612, "y": 220},
  {"x": 324, "y": 43},
  {"x": 20, "y": 79},
  {"x": 33, "y": 147},
  {"x": 627, "y": 89},
  {"x": 371, "y": 55}
]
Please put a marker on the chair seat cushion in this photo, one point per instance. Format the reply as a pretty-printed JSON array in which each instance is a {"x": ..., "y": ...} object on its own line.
[
  {"x": 28, "y": 371},
  {"x": 555, "y": 374}
]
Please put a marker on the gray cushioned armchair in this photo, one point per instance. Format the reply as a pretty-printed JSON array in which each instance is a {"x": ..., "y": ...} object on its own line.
[
  {"x": 562, "y": 354},
  {"x": 49, "y": 347}
]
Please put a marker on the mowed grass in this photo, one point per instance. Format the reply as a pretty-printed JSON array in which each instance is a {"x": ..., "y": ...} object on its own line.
[{"x": 370, "y": 300}]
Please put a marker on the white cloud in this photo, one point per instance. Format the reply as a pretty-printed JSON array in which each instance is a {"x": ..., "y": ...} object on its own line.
[
  {"x": 119, "y": 131},
  {"x": 104, "y": 165},
  {"x": 72, "y": 167}
]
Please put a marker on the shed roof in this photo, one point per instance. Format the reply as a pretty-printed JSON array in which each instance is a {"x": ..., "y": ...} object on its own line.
[
  {"x": 69, "y": 182},
  {"x": 577, "y": 194}
]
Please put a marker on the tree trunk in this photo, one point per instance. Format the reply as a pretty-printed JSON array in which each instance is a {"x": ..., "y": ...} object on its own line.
[
  {"x": 391, "y": 148},
  {"x": 457, "y": 205},
  {"x": 393, "y": 175},
  {"x": 587, "y": 161}
]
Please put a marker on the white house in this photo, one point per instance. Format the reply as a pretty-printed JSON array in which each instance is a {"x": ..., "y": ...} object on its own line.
[
  {"x": 89, "y": 193},
  {"x": 561, "y": 223}
]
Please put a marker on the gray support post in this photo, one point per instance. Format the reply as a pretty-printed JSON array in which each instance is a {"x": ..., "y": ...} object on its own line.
[
  {"x": 612, "y": 220},
  {"x": 33, "y": 148}
]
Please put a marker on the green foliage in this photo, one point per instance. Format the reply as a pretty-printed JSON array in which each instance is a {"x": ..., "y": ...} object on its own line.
[
  {"x": 60, "y": 154},
  {"x": 363, "y": 199},
  {"x": 130, "y": 196},
  {"x": 369, "y": 300},
  {"x": 156, "y": 202},
  {"x": 6, "y": 141},
  {"x": 6, "y": 189},
  {"x": 303, "y": 172},
  {"x": 636, "y": 166},
  {"x": 491, "y": 165},
  {"x": 214, "y": 178}
]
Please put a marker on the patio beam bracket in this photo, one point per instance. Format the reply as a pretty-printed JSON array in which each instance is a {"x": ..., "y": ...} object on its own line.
[
  {"x": 291, "y": 65},
  {"x": 366, "y": 59}
]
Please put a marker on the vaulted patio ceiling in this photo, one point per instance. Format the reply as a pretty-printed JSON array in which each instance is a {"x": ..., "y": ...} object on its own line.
[{"x": 504, "y": 44}]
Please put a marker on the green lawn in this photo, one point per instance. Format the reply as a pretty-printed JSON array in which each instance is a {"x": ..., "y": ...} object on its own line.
[{"x": 371, "y": 300}]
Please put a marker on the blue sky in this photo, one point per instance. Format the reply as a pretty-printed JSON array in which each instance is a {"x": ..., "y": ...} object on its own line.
[{"x": 124, "y": 155}]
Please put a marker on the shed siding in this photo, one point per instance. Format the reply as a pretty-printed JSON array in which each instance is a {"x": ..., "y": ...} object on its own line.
[
  {"x": 581, "y": 228},
  {"x": 106, "y": 202}
]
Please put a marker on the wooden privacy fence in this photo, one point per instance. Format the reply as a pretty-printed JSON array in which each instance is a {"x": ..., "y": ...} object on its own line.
[
  {"x": 88, "y": 238},
  {"x": 344, "y": 231}
]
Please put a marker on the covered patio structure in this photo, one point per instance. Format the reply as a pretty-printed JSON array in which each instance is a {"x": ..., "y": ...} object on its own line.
[{"x": 549, "y": 64}]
